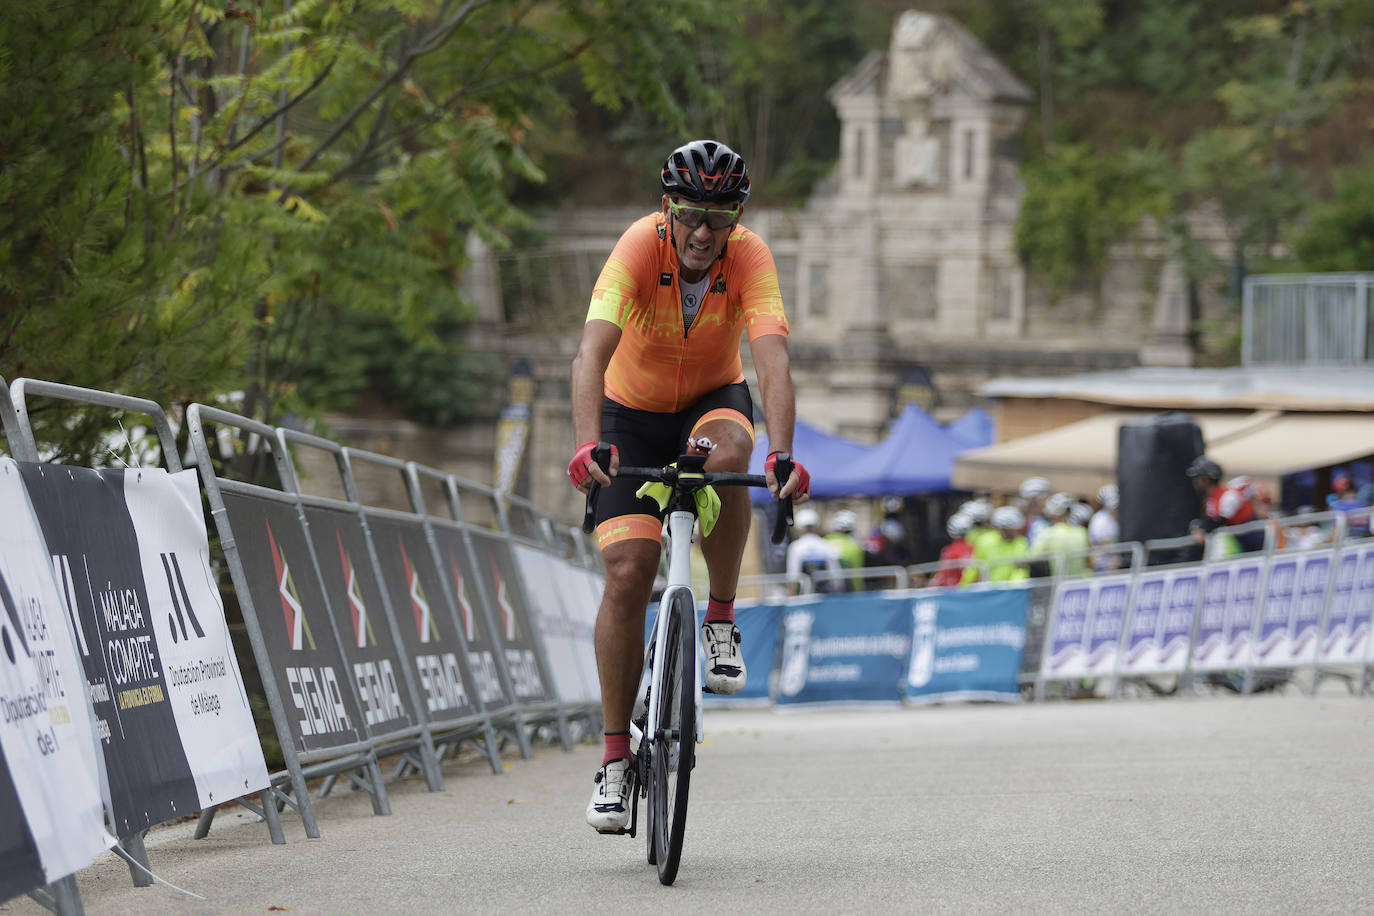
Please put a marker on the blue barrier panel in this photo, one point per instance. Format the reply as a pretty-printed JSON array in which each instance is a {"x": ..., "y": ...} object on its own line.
[
  {"x": 845, "y": 648},
  {"x": 967, "y": 645}
]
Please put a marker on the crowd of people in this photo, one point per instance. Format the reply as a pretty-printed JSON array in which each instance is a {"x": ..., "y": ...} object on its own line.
[
  {"x": 1040, "y": 531},
  {"x": 1039, "y": 526}
]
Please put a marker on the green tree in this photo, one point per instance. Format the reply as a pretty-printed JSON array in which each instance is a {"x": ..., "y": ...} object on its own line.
[
  {"x": 1340, "y": 233},
  {"x": 221, "y": 183},
  {"x": 80, "y": 264}
]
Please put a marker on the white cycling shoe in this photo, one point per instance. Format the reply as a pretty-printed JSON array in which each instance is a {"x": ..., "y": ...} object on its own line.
[
  {"x": 724, "y": 662},
  {"x": 609, "y": 809}
]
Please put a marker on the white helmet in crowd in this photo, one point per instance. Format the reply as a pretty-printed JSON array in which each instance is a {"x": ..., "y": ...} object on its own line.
[
  {"x": 1109, "y": 496},
  {"x": 844, "y": 520},
  {"x": 958, "y": 525},
  {"x": 977, "y": 510},
  {"x": 1058, "y": 505},
  {"x": 1032, "y": 487},
  {"x": 1080, "y": 513},
  {"x": 1008, "y": 517},
  {"x": 807, "y": 519}
]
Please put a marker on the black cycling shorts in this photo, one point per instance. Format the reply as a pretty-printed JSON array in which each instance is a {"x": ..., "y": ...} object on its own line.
[{"x": 651, "y": 440}]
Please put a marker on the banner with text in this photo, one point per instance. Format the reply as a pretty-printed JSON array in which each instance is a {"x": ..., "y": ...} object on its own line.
[
  {"x": 1086, "y": 622},
  {"x": 484, "y": 647},
  {"x": 51, "y": 818},
  {"x": 967, "y": 645},
  {"x": 355, "y": 597},
  {"x": 429, "y": 631},
  {"x": 132, "y": 560},
  {"x": 303, "y": 649},
  {"x": 553, "y": 591},
  {"x": 515, "y": 632},
  {"x": 1160, "y": 625},
  {"x": 845, "y": 648}
]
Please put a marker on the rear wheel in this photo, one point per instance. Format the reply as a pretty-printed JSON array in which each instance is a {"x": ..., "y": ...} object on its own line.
[{"x": 674, "y": 745}]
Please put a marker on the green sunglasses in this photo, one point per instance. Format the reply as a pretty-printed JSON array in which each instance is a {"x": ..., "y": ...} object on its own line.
[{"x": 692, "y": 217}]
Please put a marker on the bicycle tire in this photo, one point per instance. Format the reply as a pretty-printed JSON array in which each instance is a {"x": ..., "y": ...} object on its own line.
[{"x": 674, "y": 750}]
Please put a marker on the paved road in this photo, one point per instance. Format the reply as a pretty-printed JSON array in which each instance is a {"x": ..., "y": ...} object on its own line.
[{"x": 1197, "y": 805}]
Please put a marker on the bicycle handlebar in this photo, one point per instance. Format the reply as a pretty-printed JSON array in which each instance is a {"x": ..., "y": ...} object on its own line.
[{"x": 782, "y": 470}]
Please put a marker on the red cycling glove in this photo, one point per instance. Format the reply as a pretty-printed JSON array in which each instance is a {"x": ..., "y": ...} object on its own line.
[
  {"x": 803, "y": 478},
  {"x": 578, "y": 470}
]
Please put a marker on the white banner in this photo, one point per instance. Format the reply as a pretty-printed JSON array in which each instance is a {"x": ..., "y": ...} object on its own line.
[
  {"x": 546, "y": 588},
  {"x": 203, "y": 681},
  {"x": 46, "y": 735}
]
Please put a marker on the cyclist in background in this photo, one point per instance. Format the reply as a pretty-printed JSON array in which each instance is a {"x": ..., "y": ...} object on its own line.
[
  {"x": 809, "y": 552},
  {"x": 850, "y": 551},
  {"x": 659, "y": 363},
  {"x": 958, "y": 548}
]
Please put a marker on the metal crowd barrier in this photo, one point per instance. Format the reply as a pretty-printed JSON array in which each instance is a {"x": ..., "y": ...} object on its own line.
[
  {"x": 325, "y": 733},
  {"x": 17, "y": 424}
]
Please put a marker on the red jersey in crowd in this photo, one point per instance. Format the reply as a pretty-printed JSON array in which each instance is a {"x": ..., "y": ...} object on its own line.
[{"x": 951, "y": 573}]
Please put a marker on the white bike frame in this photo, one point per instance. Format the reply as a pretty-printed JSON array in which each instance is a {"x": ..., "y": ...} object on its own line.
[{"x": 680, "y": 525}]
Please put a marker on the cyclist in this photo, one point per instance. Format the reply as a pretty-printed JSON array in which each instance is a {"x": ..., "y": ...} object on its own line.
[
  {"x": 658, "y": 363},
  {"x": 851, "y": 552},
  {"x": 809, "y": 552}
]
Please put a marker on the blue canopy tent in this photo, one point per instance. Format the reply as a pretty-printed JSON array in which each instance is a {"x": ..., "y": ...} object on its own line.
[
  {"x": 824, "y": 455},
  {"x": 916, "y": 457},
  {"x": 974, "y": 429}
]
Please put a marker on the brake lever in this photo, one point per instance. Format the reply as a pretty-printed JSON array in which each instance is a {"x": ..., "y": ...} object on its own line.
[
  {"x": 602, "y": 456},
  {"x": 782, "y": 472}
]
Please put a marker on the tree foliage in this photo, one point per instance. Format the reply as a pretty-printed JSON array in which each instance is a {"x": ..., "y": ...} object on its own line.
[{"x": 202, "y": 192}]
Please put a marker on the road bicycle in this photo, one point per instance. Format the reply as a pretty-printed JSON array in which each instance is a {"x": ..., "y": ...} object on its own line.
[{"x": 667, "y": 721}]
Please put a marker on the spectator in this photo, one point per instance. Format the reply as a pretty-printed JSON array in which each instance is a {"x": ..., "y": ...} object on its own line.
[
  {"x": 958, "y": 548},
  {"x": 1104, "y": 528},
  {"x": 1035, "y": 491},
  {"x": 1345, "y": 500},
  {"x": 1064, "y": 541},
  {"x": 847, "y": 547},
  {"x": 1305, "y": 533},
  {"x": 886, "y": 546},
  {"x": 1223, "y": 505},
  {"x": 809, "y": 552},
  {"x": 979, "y": 512},
  {"x": 1006, "y": 556}
]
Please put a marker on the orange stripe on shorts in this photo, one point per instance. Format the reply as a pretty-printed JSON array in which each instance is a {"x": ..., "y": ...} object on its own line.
[
  {"x": 628, "y": 527},
  {"x": 726, "y": 413}
]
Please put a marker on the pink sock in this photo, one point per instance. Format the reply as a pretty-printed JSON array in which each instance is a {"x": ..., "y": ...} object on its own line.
[
  {"x": 718, "y": 611},
  {"x": 617, "y": 747}
]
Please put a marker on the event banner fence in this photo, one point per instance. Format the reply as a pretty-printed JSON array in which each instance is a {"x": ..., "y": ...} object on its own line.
[
  {"x": 378, "y": 631},
  {"x": 1246, "y": 613}
]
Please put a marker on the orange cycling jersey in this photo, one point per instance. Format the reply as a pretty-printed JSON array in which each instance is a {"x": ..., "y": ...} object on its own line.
[{"x": 660, "y": 365}]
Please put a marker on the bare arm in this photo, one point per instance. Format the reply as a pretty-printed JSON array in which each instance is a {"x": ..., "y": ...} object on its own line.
[
  {"x": 773, "y": 367},
  {"x": 599, "y": 340}
]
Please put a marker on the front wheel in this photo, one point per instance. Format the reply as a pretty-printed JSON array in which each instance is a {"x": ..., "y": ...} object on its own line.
[{"x": 674, "y": 746}]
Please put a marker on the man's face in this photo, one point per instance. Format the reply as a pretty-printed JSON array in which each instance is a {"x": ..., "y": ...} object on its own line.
[{"x": 699, "y": 246}]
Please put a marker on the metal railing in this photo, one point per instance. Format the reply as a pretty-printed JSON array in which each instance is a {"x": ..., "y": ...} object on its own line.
[{"x": 1307, "y": 319}]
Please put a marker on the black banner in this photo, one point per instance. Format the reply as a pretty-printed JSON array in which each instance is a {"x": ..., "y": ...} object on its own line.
[
  {"x": 516, "y": 637},
  {"x": 360, "y": 616},
  {"x": 90, "y": 534},
  {"x": 301, "y": 643},
  {"x": 426, "y": 620},
  {"x": 483, "y": 647},
  {"x": 20, "y": 868}
]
